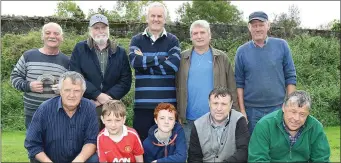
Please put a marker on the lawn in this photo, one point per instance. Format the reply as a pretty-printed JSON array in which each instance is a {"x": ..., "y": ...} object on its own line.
[{"x": 13, "y": 145}]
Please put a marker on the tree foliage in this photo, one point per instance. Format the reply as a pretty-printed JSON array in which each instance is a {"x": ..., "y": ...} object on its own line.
[
  {"x": 336, "y": 25},
  {"x": 289, "y": 20},
  {"x": 126, "y": 11},
  {"x": 69, "y": 9},
  {"x": 212, "y": 11}
]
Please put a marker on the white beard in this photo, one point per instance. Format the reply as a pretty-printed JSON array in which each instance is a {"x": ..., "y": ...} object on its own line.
[{"x": 100, "y": 40}]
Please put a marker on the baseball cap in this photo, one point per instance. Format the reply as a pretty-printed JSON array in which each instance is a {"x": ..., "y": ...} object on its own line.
[
  {"x": 98, "y": 18},
  {"x": 258, "y": 15}
]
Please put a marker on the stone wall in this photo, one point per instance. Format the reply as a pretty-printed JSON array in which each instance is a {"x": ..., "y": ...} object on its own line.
[{"x": 23, "y": 24}]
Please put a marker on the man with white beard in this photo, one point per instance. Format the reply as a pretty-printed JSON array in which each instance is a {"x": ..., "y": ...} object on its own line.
[{"x": 104, "y": 65}]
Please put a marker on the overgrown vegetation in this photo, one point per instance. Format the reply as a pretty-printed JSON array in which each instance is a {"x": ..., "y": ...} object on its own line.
[{"x": 316, "y": 59}]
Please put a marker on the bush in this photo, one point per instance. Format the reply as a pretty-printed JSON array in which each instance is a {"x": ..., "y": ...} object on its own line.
[{"x": 316, "y": 59}]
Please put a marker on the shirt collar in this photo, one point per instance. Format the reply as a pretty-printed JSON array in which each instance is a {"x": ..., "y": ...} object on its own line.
[
  {"x": 147, "y": 33},
  {"x": 287, "y": 129},
  {"x": 60, "y": 105},
  {"x": 124, "y": 132},
  {"x": 265, "y": 42}
]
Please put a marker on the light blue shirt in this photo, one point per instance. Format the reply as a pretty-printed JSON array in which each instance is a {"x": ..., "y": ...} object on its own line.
[{"x": 199, "y": 84}]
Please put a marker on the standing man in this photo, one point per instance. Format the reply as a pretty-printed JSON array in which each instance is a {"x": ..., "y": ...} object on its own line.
[
  {"x": 64, "y": 128},
  {"x": 201, "y": 69},
  {"x": 290, "y": 134},
  {"x": 37, "y": 70},
  {"x": 264, "y": 70},
  {"x": 155, "y": 56},
  {"x": 221, "y": 135},
  {"x": 104, "y": 65}
]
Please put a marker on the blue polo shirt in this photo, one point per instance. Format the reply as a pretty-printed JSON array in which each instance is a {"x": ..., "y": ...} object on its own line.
[{"x": 61, "y": 138}]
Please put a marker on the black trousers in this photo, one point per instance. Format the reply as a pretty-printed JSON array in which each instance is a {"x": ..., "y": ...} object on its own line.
[{"x": 142, "y": 121}]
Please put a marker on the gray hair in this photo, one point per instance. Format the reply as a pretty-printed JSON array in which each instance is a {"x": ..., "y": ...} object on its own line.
[
  {"x": 51, "y": 24},
  {"x": 200, "y": 23},
  {"x": 299, "y": 98},
  {"x": 157, "y": 4},
  {"x": 74, "y": 76}
]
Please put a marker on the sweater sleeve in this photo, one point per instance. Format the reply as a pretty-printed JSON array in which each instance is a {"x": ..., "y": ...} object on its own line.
[
  {"x": 194, "y": 151},
  {"x": 259, "y": 147},
  {"x": 320, "y": 150},
  {"x": 242, "y": 142},
  {"x": 18, "y": 76},
  {"x": 239, "y": 69},
  {"x": 288, "y": 66}
]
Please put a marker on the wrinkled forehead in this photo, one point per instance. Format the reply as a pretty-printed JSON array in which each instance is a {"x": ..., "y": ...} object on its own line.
[
  {"x": 222, "y": 98},
  {"x": 156, "y": 10}
]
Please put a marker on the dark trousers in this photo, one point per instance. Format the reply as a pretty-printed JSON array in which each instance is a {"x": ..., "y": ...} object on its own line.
[
  {"x": 93, "y": 158},
  {"x": 99, "y": 113},
  {"x": 142, "y": 121}
]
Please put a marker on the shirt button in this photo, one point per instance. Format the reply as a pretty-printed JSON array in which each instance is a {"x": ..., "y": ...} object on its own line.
[
  {"x": 221, "y": 143},
  {"x": 216, "y": 156}
]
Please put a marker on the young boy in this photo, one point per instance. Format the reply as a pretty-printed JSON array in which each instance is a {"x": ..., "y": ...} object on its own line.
[{"x": 117, "y": 142}]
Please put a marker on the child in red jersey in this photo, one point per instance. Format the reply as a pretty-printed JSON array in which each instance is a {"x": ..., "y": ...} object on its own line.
[{"x": 117, "y": 142}]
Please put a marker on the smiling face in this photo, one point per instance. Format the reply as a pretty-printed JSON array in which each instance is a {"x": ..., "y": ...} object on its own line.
[
  {"x": 156, "y": 19},
  {"x": 220, "y": 107},
  {"x": 165, "y": 120},
  {"x": 52, "y": 36},
  {"x": 259, "y": 30},
  {"x": 294, "y": 116},
  {"x": 114, "y": 124},
  {"x": 100, "y": 33}
]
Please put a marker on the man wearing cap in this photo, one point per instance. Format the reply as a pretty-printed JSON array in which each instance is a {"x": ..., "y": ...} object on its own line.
[
  {"x": 264, "y": 71},
  {"x": 104, "y": 65},
  {"x": 155, "y": 56}
]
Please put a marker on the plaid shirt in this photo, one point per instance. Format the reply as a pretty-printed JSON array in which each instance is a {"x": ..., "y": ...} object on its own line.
[{"x": 293, "y": 139}]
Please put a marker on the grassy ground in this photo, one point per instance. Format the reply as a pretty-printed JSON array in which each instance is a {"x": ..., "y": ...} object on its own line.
[{"x": 13, "y": 145}]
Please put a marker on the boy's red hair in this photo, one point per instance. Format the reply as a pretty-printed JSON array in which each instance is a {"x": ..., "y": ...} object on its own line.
[{"x": 164, "y": 106}]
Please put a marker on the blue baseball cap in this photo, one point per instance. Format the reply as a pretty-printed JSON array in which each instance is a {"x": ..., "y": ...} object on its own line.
[{"x": 258, "y": 15}]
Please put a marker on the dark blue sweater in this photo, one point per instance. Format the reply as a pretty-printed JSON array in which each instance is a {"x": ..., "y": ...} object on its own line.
[
  {"x": 264, "y": 72},
  {"x": 155, "y": 70},
  {"x": 176, "y": 151}
]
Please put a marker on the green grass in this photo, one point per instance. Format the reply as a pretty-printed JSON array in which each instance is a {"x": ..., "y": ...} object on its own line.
[{"x": 13, "y": 145}]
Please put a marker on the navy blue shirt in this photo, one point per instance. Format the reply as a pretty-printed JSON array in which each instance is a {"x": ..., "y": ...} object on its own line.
[{"x": 61, "y": 138}]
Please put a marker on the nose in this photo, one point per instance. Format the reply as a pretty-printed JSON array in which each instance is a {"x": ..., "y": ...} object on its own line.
[{"x": 296, "y": 117}]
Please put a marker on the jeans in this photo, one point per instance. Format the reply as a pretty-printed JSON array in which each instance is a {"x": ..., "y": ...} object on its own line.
[
  {"x": 187, "y": 129},
  {"x": 255, "y": 114}
]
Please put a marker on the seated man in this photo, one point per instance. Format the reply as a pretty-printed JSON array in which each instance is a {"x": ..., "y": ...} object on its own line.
[
  {"x": 220, "y": 135},
  {"x": 290, "y": 134},
  {"x": 166, "y": 140},
  {"x": 64, "y": 128},
  {"x": 117, "y": 142}
]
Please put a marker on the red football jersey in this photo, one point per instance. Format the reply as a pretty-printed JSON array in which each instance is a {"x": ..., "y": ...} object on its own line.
[{"x": 123, "y": 151}]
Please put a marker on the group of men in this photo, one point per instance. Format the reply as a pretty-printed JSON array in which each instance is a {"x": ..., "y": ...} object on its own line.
[{"x": 217, "y": 129}]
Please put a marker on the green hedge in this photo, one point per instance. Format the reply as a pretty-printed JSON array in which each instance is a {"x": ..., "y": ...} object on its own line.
[{"x": 316, "y": 59}]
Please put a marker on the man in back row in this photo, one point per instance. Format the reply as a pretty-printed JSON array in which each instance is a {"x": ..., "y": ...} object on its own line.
[
  {"x": 155, "y": 56},
  {"x": 201, "y": 69},
  {"x": 264, "y": 71}
]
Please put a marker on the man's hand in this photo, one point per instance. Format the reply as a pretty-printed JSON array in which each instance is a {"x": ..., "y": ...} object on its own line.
[
  {"x": 96, "y": 103},
  {"x": 138, "y": 52},
  {"x": 36, "y": 86},
  {"x": 55, "y": 88},
  {"x": 103, "y": 98}
]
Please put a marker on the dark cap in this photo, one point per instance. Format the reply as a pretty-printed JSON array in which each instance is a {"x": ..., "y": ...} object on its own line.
[
  {"x": 258, "y": 15},
  {"x": 98, "y": 18}
]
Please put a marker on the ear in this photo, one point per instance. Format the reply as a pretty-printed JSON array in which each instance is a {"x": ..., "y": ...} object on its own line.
[
  {"x": 155, "y": 120},
  {"x": 283, "y": 107},
  {"x": 124, "y": 119},
  {"x": 102, "y": 118}
]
